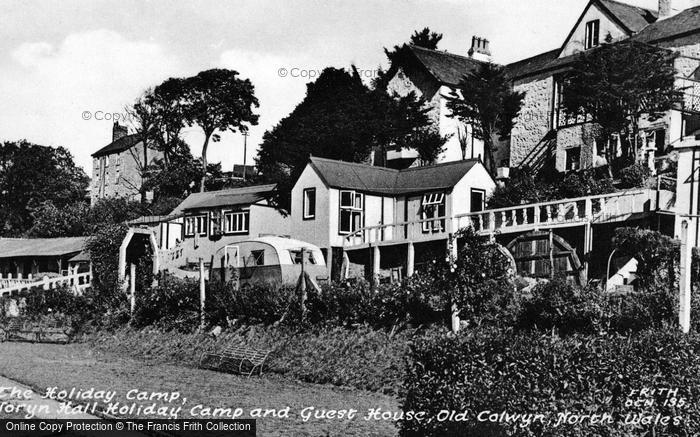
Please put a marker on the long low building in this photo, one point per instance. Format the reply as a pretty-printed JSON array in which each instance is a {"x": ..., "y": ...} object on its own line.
[{"x": 21, "y": 257}]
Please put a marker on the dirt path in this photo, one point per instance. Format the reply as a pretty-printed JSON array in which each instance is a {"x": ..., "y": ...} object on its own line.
[{"x": 77, "y": 366}]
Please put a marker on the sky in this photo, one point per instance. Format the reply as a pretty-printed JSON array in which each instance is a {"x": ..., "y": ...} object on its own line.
[{"x": 68, "y": 68}]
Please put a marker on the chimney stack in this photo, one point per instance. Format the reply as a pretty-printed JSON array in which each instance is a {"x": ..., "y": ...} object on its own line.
[
  {"x": 118, "y": 131},
  {"x": 664, "y": 9},
  {"x": 480, "y": 49}
]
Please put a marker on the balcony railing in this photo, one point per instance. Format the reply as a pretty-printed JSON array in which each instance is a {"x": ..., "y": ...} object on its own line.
[{"x": 559, "y": 213}]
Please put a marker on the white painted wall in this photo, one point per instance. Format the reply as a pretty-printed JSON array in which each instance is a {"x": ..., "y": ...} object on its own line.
[
  {"x": 576, "y": 42},
  {"x": 317, "y": 230},
  {"x": 478, "y": 178}
]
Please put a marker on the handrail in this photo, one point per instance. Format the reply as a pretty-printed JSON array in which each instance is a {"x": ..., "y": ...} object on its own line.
[
  {"x": 79, "y": 280},
  {"x": 364, "y": 234}
]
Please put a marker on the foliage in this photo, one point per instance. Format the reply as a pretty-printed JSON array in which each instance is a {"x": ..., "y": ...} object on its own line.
[
  {"x": 215, "y": 100},
  {"x": 496, "y": 370},
  {"x": 50, "y": 221},
  {"x": 568, "y": 308},
  {"x": 636, "y": 175},
  {"x": 523, "y": 188},
  {"x": 341, "y": 118},
  {"x": 31, "y": 175},
  {"x": 485, "y": 100},
  {"x": 353, "y": 303},
  {"x": 474, "y": 280},
  {"x": 103, "y": 247},
  {"x": 657, "y": 255},
  {"x": 617, "y": 84},
  {"x": 423, "y": 38}
]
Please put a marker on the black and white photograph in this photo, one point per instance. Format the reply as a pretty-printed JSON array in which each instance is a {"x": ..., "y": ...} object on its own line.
[{"x": 369, "y": 218}]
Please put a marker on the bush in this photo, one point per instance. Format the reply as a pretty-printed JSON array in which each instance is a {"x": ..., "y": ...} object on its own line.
[
  {"x": 635, "y": 175},
  {"x": 501, "y": 371},
  {"x": 567, "y": 309},
  {"x": 658, "y": 255}
]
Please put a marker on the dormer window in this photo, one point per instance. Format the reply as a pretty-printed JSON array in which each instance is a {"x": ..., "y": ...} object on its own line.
[{"x": 592, "y": 34}]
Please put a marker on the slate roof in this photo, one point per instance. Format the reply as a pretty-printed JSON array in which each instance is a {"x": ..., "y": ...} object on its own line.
[
  {"x": 447, "y": 68},
  {"x": 684, "y": 22},
  {"x": 632, "y": 17},
  {"x": 230, "y": 197},
  {"x": 121, "y": 144},
  {"x": 382, "y": 180},
  {"x": 35, "y": 247},
  {"x": 687, "y": 21}
]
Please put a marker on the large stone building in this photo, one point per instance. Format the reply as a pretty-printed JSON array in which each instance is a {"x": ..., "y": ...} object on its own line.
[
  {"x": 542, "y": 134},
  {"x": 118, "y": 167}
]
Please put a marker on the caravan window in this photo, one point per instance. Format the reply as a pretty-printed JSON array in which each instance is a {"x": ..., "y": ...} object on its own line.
[{"x": 296, "y": 256}]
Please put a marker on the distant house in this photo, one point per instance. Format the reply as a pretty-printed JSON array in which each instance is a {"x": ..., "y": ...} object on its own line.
[
  {"x": 22, "y": 257},
  {"x": 335, "y": 200},
  {"x": 118, "y": 166},
  {"x": 205, "y": 222},
  {"x": 433, "y": 75}
]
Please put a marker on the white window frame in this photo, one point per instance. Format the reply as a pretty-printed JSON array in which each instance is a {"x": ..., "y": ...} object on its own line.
[
  {"x": 592, "y": 35},
  {"x": 194, "y": 225},
  {"x": 430, "y": 208},
  {"x": 308, "y": 215},
  {"x": 241, "y": 220},
  {"x": 356, "y": 208}
]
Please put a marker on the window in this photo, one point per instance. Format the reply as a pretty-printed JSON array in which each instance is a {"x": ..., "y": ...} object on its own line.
[
  {"x": 592, "y": 34},
  {"x": 236, "y": 222},
  {"x": 476, "y": 201},
  {"x": 257, "y": 258},
  {"x": 296, "y": 256},
  {"x": 433, "y": 207},
  {"x": 352, "y": 206},
  {"x": 573, "y": 158},
  {"x": 561, "y": 118},
  {"x": 309, "y": 203},
  {"x": 196, "y": 224}
]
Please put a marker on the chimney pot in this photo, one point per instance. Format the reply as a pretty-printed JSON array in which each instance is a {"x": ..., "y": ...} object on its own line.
[
  {"x": 118, "y": 131},
  {"x": 480, "y": 48}
]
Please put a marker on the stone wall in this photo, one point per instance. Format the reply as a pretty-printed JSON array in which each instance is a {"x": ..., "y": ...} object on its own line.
[
  {"x": 122, "y": 177},
  {"x": 579, "y": 135},
  {"x": 534, "y": 120}
]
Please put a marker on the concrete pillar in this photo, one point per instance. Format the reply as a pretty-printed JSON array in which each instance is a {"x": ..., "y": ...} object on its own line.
[
  {"x": 410, "y": 259},
  {"x": 376, "y": 263},
  {"x": 329, "y": 262},
  {"x": 685, "y": 280},
  {"x": 132, "y": 288}
]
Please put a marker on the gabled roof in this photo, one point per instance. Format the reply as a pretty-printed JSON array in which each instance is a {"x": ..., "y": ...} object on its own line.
[
  {"x": 35, "y": 247},
  {"x": 687, "y": 21},
  {"x": 631, "y": 17},
  {"x": 382, "y": 180},
  {"x": 231, "y": 197},
  {"x": 446, "y": 68},
  {"x": 121, "y": 144}
]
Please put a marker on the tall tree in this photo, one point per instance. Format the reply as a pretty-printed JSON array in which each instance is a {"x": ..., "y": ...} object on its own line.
[
  {"x": 426, "y": 38},
  {"x": 340, "y": 118},
  {"x": 616, "y": 85},
  {"x": 31, "y": 175},
  {"x": 486, "y": 101},
  {"x": 217, "y": 100}
]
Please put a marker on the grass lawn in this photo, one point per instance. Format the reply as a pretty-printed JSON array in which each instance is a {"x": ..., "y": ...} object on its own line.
[{"x": 79, "y": 366}]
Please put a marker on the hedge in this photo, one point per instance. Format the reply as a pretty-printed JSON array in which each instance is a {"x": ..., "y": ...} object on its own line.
[{"x": 501, "y": 371}]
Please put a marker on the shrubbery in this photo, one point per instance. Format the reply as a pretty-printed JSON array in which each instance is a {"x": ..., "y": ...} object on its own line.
[
  {"x": 496, "y": 370},
  {"x": 636, "y": 175},
  {"x": 567, "y": 308}
]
